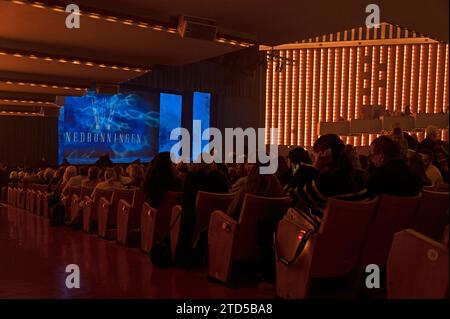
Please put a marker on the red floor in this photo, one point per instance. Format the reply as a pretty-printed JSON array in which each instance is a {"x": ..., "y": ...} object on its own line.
[{"x": 33, "y": 257}]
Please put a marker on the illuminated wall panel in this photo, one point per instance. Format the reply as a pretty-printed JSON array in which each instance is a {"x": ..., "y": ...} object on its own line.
[{"x": 327, "y": 83}]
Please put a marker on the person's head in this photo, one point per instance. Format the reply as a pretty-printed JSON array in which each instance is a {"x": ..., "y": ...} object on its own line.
[
  {"x": 13, "y": 176},
  {"x": 70, "y": 172},
  {"x": 415, "y": 162},
  {"x": 352, "y": 155},
  {"x": 384, "y": 150},
  {"x": 93, "y": 173},
  {"x": 119, "y": 171},
  {"x": 432, "y": 132},
  {"x": 329, "y": 153},
  {"x": 83, "y": 170},
  {"x": 298, "y": 156},
  {"x": 48, "y": 174},
  {"x": 21, "y": 174},
  {"x": 397, "y": 131},
  {"x": 136, "y": 172},
  {"x": 110, "y": 175},
  {"x": 427, "y": 156}
]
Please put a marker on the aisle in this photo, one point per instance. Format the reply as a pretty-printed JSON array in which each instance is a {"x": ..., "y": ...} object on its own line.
[{"x": 33, "y": 258}]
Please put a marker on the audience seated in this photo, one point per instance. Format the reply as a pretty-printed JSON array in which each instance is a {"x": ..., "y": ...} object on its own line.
[
  {"x": 92, "y": 178},
  {"x": 110, "y": 183},
  {"x": 335, "y": 177},
  {"x": 431, "y": 171},
  {"x": 415, "y": 162},
  {"x": 75, "y": 181},
  {"x": 161, "y": 177},
  {"x": 434, "y": 144},
  {"x": 266, "y": 185},
  {"x": 391, "y": 174}
]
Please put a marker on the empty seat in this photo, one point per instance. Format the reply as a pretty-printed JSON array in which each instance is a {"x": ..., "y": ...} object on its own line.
[
  {"x": 155, "y": 223},
  {"x": 90, "y": 208},
  {"x": 205, "y": 204},
  {"x": 417, "y": 267},
  {"x": 230, "y": 240},
  {"x": 432, "y": 214},
  {"x": 331, "y": 252},
  {"x": 128, "y": 217},
  {"x": 107, "y": 211}
]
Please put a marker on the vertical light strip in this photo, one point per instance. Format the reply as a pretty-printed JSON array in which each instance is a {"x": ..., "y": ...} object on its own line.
[
  {"x": 397, "y": 107},
  {"x": 294, "y": 121},
  {"x": 382, "y": 75},
  {"x": 374, "y": 71},
  {"x": 390, "y": 80},
  {"x": 344, "y": 83},
  {"x": 358, "y": 97},
  {"x": 422, "y": 80},
  {"x": 301, "y": 118},
  {"x": 315, "y": 96},
  {"x": 322, "y": 87},
  {"x": 351, "y": 88},
  {"x": 269, "y": 90},
  {"x": 414, "y": 79},
  {"x": 281, "y": 101},
  {"x": 275, "y": 101},
  {"x": 366, "y": 81},
  {"x": 438, "y": 83},
  {"x": 406, "y": 75},
  {"x": 337, "y": 83},
  {"x": 430, "y": 107},
  {"x": 308, "y": 97},
  {"x": 445, "y": 97},
  {"x": 287, "y": 99},
  {"x": 329, "y": 105}
]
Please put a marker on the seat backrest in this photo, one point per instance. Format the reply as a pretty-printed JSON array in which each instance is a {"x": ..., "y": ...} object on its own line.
[
  {"x": 441, "y": 187},
  {"x": 99, "y": 193},
  {"x": 393, "y": 215},
  {"x": 136, "y": 206},
  {"x": 118, "y": 194},
  {"x": 86, "y": 191},
  {"x": 205, "y": 204},
  {"x": 74, "y": 190},
  {"x": 432, "y": 214},
  {"x": 164, "y": 212},
  {"x": 258, "y": 214},
  {"x": 417, "y": 267},
  {"x": 341, "y": 236}
]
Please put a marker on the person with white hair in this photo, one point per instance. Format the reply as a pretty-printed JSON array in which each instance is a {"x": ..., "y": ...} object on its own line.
[
  {"x": 433, "y": 143},
  {"x": 110, "y": 183}
]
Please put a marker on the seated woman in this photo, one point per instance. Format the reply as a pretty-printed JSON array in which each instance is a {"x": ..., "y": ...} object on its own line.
[
  {"x": 266, "y": 185},
  {"x": 336, "y": 177},
  {"x": 161, "y": 178},
  {"x": 92, "y": 179},
  {"x": 110, "y": 183}
]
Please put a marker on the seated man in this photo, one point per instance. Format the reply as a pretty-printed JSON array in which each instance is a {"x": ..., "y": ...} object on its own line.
[{"x": 391, "y": 175}]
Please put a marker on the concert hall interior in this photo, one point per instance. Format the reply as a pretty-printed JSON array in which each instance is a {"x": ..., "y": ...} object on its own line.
[{"x": 155, "y": 149}]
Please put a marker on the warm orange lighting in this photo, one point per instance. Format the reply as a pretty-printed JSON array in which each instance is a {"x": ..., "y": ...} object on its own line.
[{"x": 445, "y": 97}]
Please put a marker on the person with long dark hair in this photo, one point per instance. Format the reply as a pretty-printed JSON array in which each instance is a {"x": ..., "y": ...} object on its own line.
[
  {"x": 336, "y": 177},
  {"x": 160, "y": 178}
]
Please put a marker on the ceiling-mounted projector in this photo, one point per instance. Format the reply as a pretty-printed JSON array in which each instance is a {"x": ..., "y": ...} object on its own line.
[{"x": 197, "y": 28}]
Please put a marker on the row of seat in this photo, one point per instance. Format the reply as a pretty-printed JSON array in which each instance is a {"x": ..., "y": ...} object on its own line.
[{"x": 353, "y": 235}]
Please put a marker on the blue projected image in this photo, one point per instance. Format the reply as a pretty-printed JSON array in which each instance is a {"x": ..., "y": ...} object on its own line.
[
  {"x": 169, "y": 118},
  {"x": 201, "y": 111},
  {"x": 123, "y": 125}
]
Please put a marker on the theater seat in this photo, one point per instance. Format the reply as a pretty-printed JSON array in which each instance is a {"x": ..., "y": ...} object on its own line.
[
  {"x": 107, "y": 212},
  {"x": 417, "y": 267},
  {"x": 332, "y": 252},
  {"x": 432, "y": 214},
  {"x": 155, "y": 223},
  {"x": 128, "y": 217},
  {"x": 205, "y": 204},
  {"x": 90, "y": 208},
  {"x": 445, "y": 236},
  {"x": 230, "y": 240},
  {"x": 66, "y": 201},
  {"x": 76, "y": 200}
]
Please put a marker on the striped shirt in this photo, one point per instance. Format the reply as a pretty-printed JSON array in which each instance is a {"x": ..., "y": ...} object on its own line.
[{"x": 314, "y": 194}]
